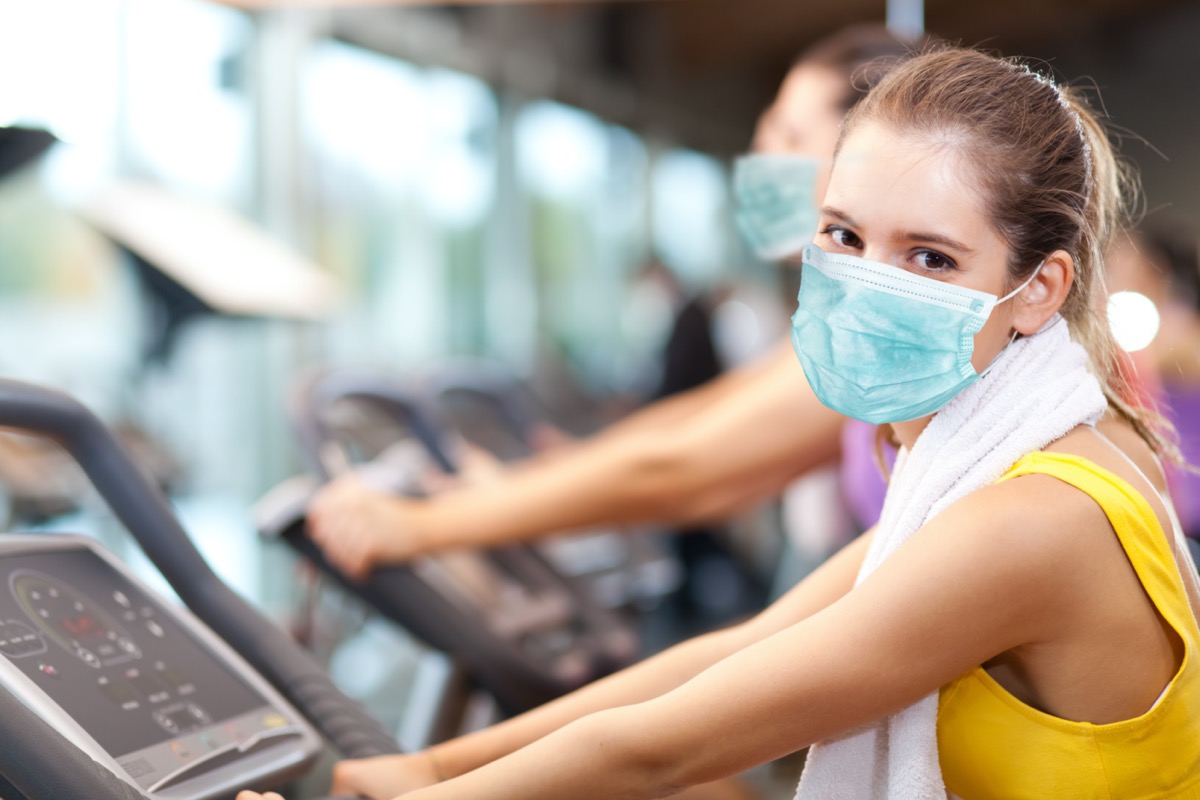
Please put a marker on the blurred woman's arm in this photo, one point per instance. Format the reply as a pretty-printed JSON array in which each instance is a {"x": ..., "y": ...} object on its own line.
[{"x": 739, "y": 448}]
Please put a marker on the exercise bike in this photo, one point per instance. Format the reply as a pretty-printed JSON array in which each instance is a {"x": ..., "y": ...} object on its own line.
[
  {"x": 520, "y": 629},
  {"x": 111, "y": 693}
]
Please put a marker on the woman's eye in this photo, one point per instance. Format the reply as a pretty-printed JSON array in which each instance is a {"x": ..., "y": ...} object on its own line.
[
  {"x": 934, "y": 262},
  {"x": 843, "y": 238}
]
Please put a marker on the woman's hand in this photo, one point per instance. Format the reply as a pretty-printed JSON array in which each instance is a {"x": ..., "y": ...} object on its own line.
[
  {"x": 358, "y": 527},
  {"x": 384, "y": 777},
  {"x": 378, "y": 778}
]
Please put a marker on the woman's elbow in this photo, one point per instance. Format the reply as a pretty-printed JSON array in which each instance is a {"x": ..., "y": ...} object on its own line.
[
  {"x": 673, "y": 481},
  {"x": 659, "y": 758},
  {"x": 666, "y": 482},
  {"x": 644, "y": 765}
]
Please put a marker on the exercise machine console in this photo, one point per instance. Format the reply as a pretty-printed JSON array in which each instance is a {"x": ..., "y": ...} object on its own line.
[
  {"x": 140, "y": 686},
  {"x": 107, "y": 692}
]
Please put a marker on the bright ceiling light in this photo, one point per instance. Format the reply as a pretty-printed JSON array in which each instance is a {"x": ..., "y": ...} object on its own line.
[{"x": 1134, "y": 320}]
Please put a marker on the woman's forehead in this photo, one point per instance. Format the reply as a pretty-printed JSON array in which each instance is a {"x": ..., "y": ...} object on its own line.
[
  {"x": 878, "y": 170},
  {"x": 810, "y": 88}
]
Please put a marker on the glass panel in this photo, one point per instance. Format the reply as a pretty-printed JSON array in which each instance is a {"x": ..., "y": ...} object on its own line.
[
  {"x": 691, "y": 216},
  {"x": 187, "y": 114},
  {"x": 585, "y": 183},
  {"x": 405, "y": 178}
]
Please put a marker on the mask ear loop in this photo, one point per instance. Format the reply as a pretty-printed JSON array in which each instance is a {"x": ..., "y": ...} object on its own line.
[
  {"x": 1028, "y": 281},
  {"x": 1016, "y": 333}
]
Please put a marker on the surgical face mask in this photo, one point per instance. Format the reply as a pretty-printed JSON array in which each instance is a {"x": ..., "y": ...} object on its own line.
[
  {"x": 775, "y": 207},
  {"x": 881, "y": 344}
]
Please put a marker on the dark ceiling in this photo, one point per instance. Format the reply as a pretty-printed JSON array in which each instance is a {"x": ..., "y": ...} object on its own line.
[{"x": 698, "y": 71}]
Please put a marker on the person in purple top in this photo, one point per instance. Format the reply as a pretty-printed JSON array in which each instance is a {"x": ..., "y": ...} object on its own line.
[{"x": 863, "y": 482}]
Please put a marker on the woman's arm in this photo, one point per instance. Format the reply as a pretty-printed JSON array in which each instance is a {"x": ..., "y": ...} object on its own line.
[
  {"x": 662, "y": 672},
  {"x": 389, "y": 775},
  {"x": 676, "y": 408},
  {"x": 982, "y": 578},
  {"x": 773, "y": 428}
]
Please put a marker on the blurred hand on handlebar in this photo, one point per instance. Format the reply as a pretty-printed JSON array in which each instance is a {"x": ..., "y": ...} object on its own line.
[
  {"x": 383, "y": 777},
  {"x": 358, "y": 527},
  {"x": 378, "y": 778}
]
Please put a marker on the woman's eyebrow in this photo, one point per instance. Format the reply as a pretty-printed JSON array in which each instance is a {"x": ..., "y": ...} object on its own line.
[
  {"x": 937, "y": 238},
  {"x": 841, "y": 215}
]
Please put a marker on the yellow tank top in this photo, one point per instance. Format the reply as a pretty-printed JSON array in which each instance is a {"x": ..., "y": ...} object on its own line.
[{"x": 992, "y": 745}]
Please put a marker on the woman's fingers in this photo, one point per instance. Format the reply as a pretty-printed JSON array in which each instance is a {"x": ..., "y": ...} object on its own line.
[
  {"x": 357, "y": 527},
  {"x": 383, "y": 777}
]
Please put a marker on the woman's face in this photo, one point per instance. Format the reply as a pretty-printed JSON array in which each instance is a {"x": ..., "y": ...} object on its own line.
[
  {"x": 905, "y": 203},
  {"x": 805, "y": 118}
]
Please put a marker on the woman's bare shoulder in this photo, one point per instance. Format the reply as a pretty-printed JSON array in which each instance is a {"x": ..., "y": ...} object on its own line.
[
  {"x": 1033, "y": 516},
  {"x": 1040, "y": 518},
  {"x": 1114, "y": 445}
]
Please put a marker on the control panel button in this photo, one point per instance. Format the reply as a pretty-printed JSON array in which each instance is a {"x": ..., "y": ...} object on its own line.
[{"x": 18, "y": 639}]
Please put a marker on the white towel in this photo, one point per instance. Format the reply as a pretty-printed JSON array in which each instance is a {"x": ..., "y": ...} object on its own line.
[{"x": 1038, "y": 390}]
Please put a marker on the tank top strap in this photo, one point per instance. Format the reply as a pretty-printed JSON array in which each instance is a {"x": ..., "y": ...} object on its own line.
[{"x": 1136, "y": 525}]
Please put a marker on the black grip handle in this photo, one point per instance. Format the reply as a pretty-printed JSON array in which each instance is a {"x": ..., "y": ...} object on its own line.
[
  {"x": 320, "y": 391},
  {"x": 145, "y": 511},
  {"x": 519, "y": 407}
]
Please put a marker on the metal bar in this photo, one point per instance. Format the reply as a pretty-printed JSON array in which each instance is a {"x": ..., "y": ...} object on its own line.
[{"x": 906, "y": 17}]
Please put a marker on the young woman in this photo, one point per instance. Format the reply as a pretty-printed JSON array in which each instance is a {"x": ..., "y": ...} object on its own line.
[{"x": 1021, "y": 623}]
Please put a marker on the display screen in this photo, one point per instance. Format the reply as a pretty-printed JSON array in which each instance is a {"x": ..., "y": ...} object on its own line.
[{"x": 115, "y": 659}]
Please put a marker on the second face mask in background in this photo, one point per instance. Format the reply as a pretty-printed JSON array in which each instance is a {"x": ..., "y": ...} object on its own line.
[{"x": 775, "y": 204}]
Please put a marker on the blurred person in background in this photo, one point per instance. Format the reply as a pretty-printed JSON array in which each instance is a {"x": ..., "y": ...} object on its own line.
[
  {"x": 699, "y": 455},
  {"x": 694, "y": 455}
]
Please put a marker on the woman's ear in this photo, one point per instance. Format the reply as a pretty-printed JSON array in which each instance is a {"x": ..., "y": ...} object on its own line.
[{"x": 1045, "y": 294}]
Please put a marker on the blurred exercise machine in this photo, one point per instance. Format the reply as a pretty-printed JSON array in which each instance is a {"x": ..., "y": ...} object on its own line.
[
  {"x": 518, "y": 628},
  {"x": 108, "y": 692},
  {"x": 492, "y": 409}
]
